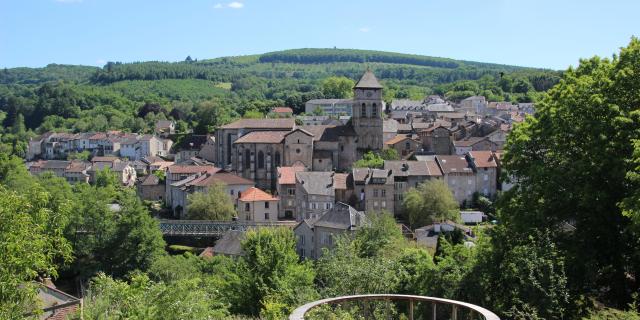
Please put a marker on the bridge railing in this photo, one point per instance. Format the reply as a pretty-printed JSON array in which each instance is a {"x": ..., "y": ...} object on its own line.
[
  {"x": 213, "y": 228},
  {"x": 472, "y": 311}
]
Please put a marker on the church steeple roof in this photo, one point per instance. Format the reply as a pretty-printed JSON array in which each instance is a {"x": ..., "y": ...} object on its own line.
[{"x": 368, "y": 81}]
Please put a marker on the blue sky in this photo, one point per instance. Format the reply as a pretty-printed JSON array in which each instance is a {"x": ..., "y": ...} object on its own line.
[{"x": 541, "y": 33}]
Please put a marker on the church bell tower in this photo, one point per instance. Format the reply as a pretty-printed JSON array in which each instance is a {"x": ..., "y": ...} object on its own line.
[{"x": 366, "y": 116}]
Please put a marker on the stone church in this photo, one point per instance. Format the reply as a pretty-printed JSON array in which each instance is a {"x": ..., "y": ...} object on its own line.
[{"x": 255, "y": 148}]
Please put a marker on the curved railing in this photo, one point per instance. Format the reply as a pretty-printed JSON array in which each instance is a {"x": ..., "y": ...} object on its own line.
[{"x": 300, "y": 312}]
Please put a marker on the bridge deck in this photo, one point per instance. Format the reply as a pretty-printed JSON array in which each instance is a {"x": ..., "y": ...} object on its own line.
[{"x": 213, "y": 228}]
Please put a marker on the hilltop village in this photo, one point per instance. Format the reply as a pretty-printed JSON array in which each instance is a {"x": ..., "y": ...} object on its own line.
[{"x": 303, "y": 168}]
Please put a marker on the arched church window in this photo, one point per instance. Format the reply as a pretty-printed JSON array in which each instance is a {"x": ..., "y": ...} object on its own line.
[
  {"x": 247, "y": 159},
  {"x": 260, "y": 160},
  {"x": 277, "y": 159},
  {"x": 363, "y": 111},
  {"x": 374, "y": 111}
]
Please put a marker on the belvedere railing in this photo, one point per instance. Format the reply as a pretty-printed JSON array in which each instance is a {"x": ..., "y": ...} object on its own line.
[{"x": 472, "y": 311}]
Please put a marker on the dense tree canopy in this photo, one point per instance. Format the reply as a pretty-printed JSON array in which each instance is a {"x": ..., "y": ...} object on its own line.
[
  {"x": 431, "y": 201},
  {"x": 214, "y": 204}
]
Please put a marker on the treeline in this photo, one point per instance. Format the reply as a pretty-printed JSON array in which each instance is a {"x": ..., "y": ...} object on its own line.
[
  {"x": 52, "y": 72},
  {"x": 359, "y": 56}
]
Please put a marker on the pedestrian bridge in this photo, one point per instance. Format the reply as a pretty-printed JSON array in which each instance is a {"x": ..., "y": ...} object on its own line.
[{"x": 210, "y": 228}]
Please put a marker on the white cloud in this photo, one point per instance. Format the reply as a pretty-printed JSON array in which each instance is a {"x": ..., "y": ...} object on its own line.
[
  {"x": 231, "y": 5},
  {"x": 101, "y": 62},
  {"x": 68, "y": 1},
  {"x": 235, "y": 5},
  {"x": 364, "y": 29}
]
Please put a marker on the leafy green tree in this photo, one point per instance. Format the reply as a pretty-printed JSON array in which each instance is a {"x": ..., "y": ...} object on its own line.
[
  {"x": 114, "y": 242},
  {"x": 389, "y": 154},
  {"x": 271, "y": 275},
  {"x": 338, "y": 87},
  {"x": 431, "y": 201},
  {"x": 106, "y": 178},
  {"x": 253, "y": 114},
  {"x": 369, "y": 160},
  {"x": 379, "y": 235},
  {"x": 573, "y": 161},
  {"x": 144, "y": 299},
  {"x": 214, "y": 204},
  {"x": 31, "y": 244}
]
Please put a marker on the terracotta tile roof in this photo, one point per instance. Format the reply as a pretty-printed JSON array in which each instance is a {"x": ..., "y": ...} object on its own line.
[
  {"x": 105, "y": 159},
  {"x": 255, "y": 194},
  {"x": 78, "y": 166},
  {"x": 98, "y": 136},
  {"x": 262, "y": 137},
  {"x": 281, "y": 124},
  {"x": 180, "y": 169},
  {"x": 287, "y": 175},
  {"x": 282, "y": 110},
  {"x": 483, "y": 159},
  {"x": 397, "y": 139}
]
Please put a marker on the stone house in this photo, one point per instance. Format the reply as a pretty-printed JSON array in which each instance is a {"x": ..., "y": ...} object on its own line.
[
  {"x": 437, "y": 139},
  {"x": 315, "y": 234},
  {"x": 373, "y": 189},
  {"x": 468, "y": 144},
  {"x": 486, "y": 168},
  {"x": 255, "y": 205},
  {"x": 404, "y": 145},
  {"x": 77, "y": 172},
  {"x": 315, "y": 193},
  {"x": 286, "y": 191},
  {"x": 150, "y": 188},
  {"x": 164, "y": 128},
  {"x": 189, "y": 147},
  {"x": 459, "y": 176},
  {"x": 178, "y": 172}
]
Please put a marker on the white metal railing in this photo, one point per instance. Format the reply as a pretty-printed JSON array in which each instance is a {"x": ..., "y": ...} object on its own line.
[{"x": 300, "y": 312}]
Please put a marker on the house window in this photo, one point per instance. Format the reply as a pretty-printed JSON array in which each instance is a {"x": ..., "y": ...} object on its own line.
[
  {"x": 407, "y": 145},
  {"x": 375, "y": 193},
  {"x": 260, "y": 160},
  {"x": 266, "y": 215},
  {"x": 383, "y": 193},
  {"x": 314, "y": 206},
  {"x": 289, "y": 203},
  {"x": 231, "y": 192},
  {"x": 302, "y": 239},
  {"x": 266, "y": 204},
  {"x": 375, "y": 204},
  {"x": 327, "y": 205},
  {"x": 247, "y": 217},
  {"x": 363, "y": 110},
  {"x": 486, "y": 177},
  {"x": 291, "y": 191},
  {"x": 247, "y": 207},
  {"x": 384, "y": 204}
]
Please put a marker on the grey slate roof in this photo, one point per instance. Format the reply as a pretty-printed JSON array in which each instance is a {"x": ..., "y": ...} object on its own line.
[
  {"x": 368, "y": 81},
  {"x": 230, "y": 243},
  {"x": 316, "y": 183},
  {"x": 341, "y": 216}
]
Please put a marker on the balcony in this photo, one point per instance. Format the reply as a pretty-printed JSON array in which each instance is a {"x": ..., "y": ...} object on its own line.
[{"x": 394, "y": 306}]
